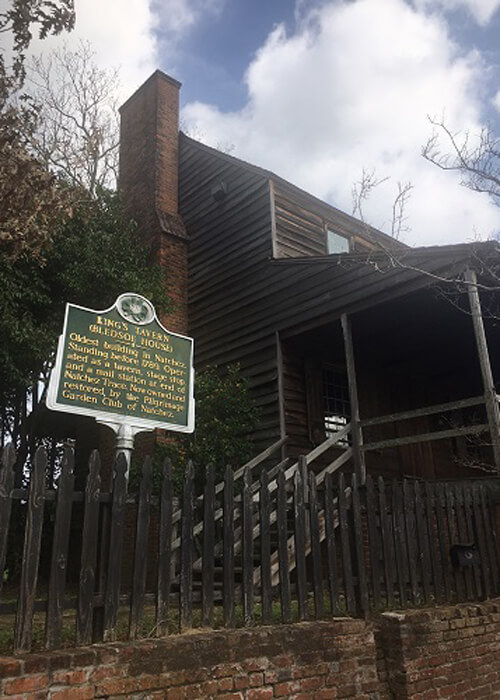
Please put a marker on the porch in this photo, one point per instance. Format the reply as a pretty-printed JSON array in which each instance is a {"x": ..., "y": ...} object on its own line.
[{"x": 415, "y": 376}]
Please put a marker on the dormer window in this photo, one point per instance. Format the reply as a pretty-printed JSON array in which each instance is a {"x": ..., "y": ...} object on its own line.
[{"x": 335, "y": 243}]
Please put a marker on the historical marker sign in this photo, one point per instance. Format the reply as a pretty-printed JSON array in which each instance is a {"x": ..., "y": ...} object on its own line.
[{"x": 122, "y": 366}]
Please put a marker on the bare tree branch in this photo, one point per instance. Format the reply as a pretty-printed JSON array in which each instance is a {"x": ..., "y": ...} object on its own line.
[
  {"x": 475, "y": 157},
  {"x": 399, "y": 217},
  {"x": 78, "y": 132},
  {"x": 362, "y": 189}
]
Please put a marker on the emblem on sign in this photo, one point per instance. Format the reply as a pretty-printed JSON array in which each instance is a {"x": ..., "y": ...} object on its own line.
[{"x": 135, "y": 309}]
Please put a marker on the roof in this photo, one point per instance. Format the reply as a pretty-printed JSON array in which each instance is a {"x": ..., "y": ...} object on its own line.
[
  {"x": 292, "y": 189},
  {"x": 312, "y": 291},
  {"x": 476, "y": 253}
]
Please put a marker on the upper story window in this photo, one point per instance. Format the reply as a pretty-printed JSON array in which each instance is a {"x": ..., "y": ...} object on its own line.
[{"x": 335, "y": 243}]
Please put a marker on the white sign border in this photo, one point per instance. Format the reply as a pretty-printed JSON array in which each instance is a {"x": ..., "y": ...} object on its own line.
[{"x": 115, "y": 420}]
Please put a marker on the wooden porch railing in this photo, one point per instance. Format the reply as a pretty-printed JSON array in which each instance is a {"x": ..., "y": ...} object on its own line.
[{"x": 475, "y": 429}]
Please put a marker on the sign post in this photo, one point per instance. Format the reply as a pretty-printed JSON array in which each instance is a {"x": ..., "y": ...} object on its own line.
[{"x": 125, "y": 369}]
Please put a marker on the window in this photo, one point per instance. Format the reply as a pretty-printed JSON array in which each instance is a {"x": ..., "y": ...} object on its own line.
[
  {"x": 336, "y": 406},
  {"x": 335, "y": 243},
  {"x": 328, "y": 406}
]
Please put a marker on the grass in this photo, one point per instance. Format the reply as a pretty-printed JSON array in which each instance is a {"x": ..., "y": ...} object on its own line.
[{"x": 148, "y": 628}]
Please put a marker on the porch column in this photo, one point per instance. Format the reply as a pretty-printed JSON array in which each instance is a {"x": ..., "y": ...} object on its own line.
[
  {"x": 490, "y": 395},
  {"x": 356, "y": 432}
]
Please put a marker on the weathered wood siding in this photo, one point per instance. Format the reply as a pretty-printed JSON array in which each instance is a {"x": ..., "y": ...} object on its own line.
[
  {"x": 240, "y": 298},
  {"x": 295, "y": 399},
  {"x": 229, "y": 245},
  {"x": 301, "y": 222}
]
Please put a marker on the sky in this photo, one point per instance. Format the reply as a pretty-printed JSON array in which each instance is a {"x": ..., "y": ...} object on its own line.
[{"x": 319, "y": 91}]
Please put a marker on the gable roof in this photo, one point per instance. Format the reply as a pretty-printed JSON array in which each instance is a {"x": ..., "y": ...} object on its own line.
[{"x": 322, "y": 207}]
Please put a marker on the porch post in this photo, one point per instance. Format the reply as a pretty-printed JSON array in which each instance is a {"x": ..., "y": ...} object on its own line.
[
  {"x": 356, "y": 432},
  {"x": 490, "y": 395},
  {"x": 281, "y": 393}
]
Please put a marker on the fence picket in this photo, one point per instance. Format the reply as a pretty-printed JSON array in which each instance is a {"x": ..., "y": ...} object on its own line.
[
  {"x": 300, "y": 540},
  {"x": 164, "y": 551},
  {"x": 59, "y": 560},
  {"x": 462, "y": 535},
  {"x": 386, "y": 542},
  {"x": 186, "y": 574},
  {"x": 284, "y": 569},
  {"x": 359, "y": 545},
  {"x": 437, "y": 571},
  {"x": 228, "y": 549},
  {"x": 317, "y": 569},
  {"x": 265, "y": 549},
  {"x": 141, "y": 551},
  {"x": 481, "y": 544},
  {"x": 208, "y": 561},
  {"x": 399, "y": 541},
  {"x": 471, "y": 537},
  {"x": 330, "y": 525},
  {"x": 31, "y": 554},
  {"x": 345, "y": 545},
  {"x": 491, "y": 541},
  {"x": 453, "y": 539},
  {"x": 373, "y": 541},
  {"x": 89, "y": 552},
  {"x": 423, "y": 542},
  {"x": 247, "y": 558},
  {"x": 444, "y": 549},
  {"x": 6, "y": 485},
  {"x": 112, "y": 599},
  {"x": 411, "y": 534}
]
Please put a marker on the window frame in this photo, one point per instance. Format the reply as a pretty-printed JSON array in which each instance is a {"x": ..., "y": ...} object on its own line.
[{"x": 330, "y": 230}]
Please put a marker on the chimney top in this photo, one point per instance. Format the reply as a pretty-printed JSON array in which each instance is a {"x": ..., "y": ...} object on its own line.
[{"x": 158, "y": 74}]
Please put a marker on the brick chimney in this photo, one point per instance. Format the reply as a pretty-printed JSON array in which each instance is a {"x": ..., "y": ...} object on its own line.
[{"x": 149, "y": 143}]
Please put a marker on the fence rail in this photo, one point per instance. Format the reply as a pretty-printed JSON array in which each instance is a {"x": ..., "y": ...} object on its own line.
[{"x": 322, "y": 544}]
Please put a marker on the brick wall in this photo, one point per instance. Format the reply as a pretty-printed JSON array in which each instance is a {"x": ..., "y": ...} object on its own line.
[
  {"x": 449, "y": 652},
  {"x": 303, "y": 661}
]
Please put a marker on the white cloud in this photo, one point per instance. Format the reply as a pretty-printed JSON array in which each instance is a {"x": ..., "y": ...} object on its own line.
[
  {"x": 352, "y": 88},
  {"x": 132, "y": 35},
  {"x": 176, "y": 18},
  {"x": 481, "y": 10},
  {"x": 496, "y": 101},
  {"x": 179, "y": 15},
  {"x": 121, "y": 39}
]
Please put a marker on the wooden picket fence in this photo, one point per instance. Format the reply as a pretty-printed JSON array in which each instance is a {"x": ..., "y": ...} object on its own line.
[{"x": 288, "y": 546}]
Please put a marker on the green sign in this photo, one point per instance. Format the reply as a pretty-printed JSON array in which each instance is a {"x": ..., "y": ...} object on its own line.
[{"x": 122, "y": 366}]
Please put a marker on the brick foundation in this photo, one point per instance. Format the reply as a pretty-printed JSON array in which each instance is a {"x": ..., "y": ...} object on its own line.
[{"x": 434, "y": 653}]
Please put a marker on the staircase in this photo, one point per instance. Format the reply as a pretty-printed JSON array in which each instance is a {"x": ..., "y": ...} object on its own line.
[{"x": 292, "y": 470}]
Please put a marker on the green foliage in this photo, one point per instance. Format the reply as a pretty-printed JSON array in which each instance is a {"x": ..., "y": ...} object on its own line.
[
  {"x": 226, "y": 415},
  {"x": 93, "y": 257},
  {"x": 225, "y": 418},
  {"x": 22, "y": 18}
]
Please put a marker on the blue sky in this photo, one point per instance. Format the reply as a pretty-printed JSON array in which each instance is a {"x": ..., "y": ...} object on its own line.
[
  {"x": 214, "y": 55},
  {"x": 320, "y": 90},
  {"x": 215, "y": 52}
]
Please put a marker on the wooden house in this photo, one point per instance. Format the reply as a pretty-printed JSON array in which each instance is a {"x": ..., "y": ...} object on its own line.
[{"x": 332, "y": 321}]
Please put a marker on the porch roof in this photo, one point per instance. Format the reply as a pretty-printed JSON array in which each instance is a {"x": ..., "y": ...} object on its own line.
[{"x": 309, "y": 292}]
